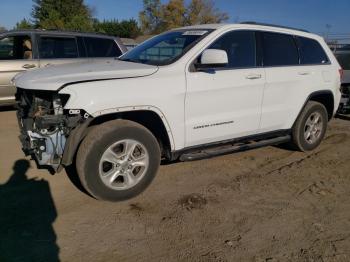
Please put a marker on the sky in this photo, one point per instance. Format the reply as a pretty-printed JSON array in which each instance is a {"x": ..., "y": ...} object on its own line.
[{"x": 312, "y": 15}]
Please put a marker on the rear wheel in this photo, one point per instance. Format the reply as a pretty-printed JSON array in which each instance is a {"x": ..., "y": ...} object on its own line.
[
  {"x": 310, "y": 127},
  {"x": 118, "y": 160}
]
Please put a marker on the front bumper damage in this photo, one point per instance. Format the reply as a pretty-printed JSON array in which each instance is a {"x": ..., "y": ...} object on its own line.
[{"x": 46, "y": 128}]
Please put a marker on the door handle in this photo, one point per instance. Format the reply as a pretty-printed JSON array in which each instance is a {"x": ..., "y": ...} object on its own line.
[
  {"x": 304, "y": 73},
  {"x": 253, "y": 76},
  {"x": 29, "y": 66}
]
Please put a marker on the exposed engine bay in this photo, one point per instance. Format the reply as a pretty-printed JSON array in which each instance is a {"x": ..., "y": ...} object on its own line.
[{"x": 45, "y": 124}]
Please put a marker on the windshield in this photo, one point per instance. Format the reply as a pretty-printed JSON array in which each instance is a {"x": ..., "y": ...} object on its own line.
[{"x": 166, "y": 48}]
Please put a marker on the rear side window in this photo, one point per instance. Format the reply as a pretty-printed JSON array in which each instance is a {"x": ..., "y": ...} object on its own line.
[
  {"x": 311, "y": 52},
  {"x": 100, "y": 47},
  {"x": 240, "y": 48},
  {"x": 279, "y": 50},
  {"x": 58, "y": 47}
]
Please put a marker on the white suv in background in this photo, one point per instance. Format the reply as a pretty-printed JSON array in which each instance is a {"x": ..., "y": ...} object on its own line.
[{"x": 187, "y": 94}]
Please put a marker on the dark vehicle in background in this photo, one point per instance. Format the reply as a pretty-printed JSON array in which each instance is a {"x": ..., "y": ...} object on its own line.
[
  {"x": 343, "y": 56},
  {"x": 29, "y": 49}
]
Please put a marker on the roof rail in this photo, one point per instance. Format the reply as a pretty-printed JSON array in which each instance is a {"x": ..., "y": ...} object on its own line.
[
  {"x": 55, "y": 31},
  {"x": 272, "y": 25}
]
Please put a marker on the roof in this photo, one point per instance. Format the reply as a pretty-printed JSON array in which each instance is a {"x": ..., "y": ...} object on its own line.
[
  {"x": 273, "y": 25},
  {"x": 56, "y": 32},
  {"x": 250, "y": 25}
]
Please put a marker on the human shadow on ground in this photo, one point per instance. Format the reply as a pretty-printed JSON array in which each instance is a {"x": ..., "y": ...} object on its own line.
[{"x": 27, "y": 212}]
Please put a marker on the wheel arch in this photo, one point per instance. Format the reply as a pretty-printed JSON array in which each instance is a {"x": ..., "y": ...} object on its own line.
[
  {"x": 150, "y": 117},
  {"x": 325, "y": 97}
]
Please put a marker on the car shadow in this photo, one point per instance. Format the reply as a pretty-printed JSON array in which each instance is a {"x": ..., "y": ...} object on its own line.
[{"x": 27, "y": 212}]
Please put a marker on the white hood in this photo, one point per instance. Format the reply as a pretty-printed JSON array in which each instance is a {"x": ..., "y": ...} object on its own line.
[{"x": 54, "y": 77}]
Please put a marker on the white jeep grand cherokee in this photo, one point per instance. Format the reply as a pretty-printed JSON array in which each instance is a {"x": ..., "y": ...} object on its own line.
[{"x": 187, "y": 94}]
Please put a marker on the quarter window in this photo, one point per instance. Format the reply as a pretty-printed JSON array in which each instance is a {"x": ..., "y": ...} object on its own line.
[
  {"x": 240, "y": 47},
  {"x": 311, "y": 52},
  {"x": 279, "y": 50},
  {"x": 100, "y": 47},
  {"x": 58, "y": 47}
]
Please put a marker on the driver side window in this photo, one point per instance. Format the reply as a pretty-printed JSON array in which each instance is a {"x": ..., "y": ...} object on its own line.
[{"x": 240, "y": 47}]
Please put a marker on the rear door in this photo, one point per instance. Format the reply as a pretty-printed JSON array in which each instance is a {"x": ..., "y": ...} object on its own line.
[
  {"x": 16, "y": 55},
  {"x": 57, "y": 49},
  {"x": 285, "y": 80},
  {"x": 295, "y": 67}
]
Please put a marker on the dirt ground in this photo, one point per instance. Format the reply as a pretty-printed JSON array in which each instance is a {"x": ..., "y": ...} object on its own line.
[{"x": 269, "y": 204}]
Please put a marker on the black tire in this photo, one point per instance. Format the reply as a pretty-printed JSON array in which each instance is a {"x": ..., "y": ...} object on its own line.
[
  {"x": 98, "y": 141},
  {"x": 299, "y": 129}
]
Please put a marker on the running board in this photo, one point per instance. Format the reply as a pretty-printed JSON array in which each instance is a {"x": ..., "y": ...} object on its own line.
[{"x": 232, "y": 148}]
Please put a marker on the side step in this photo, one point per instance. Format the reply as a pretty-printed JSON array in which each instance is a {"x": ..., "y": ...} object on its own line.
[{"x": 232, "y": 148}]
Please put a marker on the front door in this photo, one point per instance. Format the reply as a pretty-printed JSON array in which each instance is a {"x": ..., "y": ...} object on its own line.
[{"x": 225, "y": 103}]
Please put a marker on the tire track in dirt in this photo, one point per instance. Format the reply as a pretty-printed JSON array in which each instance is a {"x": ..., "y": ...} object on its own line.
[
  {"x": 329, "y": 142},
  {"x": 299, "y": 158},
  {"x": 187, "y": 206}
]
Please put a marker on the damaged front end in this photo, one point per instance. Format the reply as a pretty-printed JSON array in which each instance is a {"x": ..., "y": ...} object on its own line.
[{"x": 45, "y": 125}]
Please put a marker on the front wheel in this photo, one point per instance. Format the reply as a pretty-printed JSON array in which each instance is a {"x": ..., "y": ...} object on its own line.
[
  {"x": 310, "y": 127},
  {"x": 118, "y": 160}
]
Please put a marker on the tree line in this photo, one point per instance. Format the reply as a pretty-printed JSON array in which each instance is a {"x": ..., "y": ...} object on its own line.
[{"x": 155, "y": 17}]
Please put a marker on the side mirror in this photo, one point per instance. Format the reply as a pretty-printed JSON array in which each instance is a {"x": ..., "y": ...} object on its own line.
[{"x": 213, "y": 58}]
